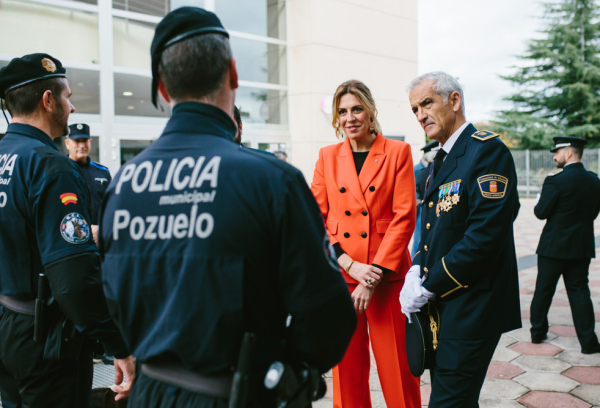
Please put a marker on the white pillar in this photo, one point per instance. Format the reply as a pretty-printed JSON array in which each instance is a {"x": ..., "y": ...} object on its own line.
[{"x": 110, "y": 152}]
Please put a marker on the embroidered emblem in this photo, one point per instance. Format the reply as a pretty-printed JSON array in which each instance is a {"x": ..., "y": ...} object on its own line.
[
  {"x": 448, "y": 197},
  {"x": 68, "y": 198},
  {"x": 75, "y": 229},
  {"x": 48, "y": 64},
  {"x": 556, "y": 172},
  {"x": 492, "y": 185},
  {"x": 79, "y": 126}
]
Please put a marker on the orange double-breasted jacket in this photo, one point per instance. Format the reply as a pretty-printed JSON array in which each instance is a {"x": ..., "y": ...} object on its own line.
[{"x": 372, "y": 216}]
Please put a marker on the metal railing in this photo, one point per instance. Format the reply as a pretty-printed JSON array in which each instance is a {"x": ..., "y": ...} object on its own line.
[{"x": 534, "y": 165}]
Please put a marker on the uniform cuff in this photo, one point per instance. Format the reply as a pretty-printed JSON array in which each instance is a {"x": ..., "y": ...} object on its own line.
[{"x": 338, "y": 250}]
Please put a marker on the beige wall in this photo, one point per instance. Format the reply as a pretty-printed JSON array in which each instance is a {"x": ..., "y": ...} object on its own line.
[{"x": 331, "y": 41}]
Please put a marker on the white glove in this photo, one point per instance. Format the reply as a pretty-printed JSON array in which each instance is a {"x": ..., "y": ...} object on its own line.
[{"x": 413, "y": 296}]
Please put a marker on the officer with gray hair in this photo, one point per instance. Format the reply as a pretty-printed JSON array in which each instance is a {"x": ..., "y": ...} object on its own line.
[{"x": 466, "y": 266}]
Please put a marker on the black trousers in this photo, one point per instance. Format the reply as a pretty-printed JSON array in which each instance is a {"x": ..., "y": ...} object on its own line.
[
  {"x": 575, "y": 274},
  {"x": 28, "y": 381},
  {"x": 460, "y": 369}
]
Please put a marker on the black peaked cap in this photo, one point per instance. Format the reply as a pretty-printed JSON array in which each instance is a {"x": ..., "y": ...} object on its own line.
[
  {"x": 79, "y": 131},
  {"x": 27, "y": 69},
  {"x": 566, "y": 141},
  {"x": 179, "y": 25},
  {"x": 430, "y": 145}
]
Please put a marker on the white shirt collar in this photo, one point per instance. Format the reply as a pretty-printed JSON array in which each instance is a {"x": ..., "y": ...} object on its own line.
[
  {"x": 450, "y": 142},
  {"x": 569, "y": 163}
]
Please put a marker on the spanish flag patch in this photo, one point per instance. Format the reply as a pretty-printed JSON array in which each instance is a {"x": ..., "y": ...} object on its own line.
[{"x": 68, "y": 198}]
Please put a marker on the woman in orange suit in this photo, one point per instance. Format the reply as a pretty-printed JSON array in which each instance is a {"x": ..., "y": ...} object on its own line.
[{"x": 365, "y": 188}]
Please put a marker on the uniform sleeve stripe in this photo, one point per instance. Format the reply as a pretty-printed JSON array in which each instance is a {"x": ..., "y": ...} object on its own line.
[
  {"x": 99, "y": 166},
  {"x": 452, "y": 277}
]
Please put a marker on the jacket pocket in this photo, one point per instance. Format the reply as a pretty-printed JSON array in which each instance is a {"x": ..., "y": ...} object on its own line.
[
  {"x": 382, "y": 225},
  {"x": 332, "y": 227}
]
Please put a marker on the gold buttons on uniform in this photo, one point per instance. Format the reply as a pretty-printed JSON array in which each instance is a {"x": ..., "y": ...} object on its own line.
[
  {"x": 426, "y": 270},
  {"x": 430, "y": 204},
  {"x": 426, "y": 248},
  {"x": 428, "y": 226}
]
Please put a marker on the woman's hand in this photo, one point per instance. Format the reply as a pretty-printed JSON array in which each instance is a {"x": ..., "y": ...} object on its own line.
[
  {"x": 361, "y": 272},
  {"x": 361, "y": 297}
]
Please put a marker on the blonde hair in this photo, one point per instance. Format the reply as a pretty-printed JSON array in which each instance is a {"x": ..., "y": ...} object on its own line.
[{"x": 363, "y": 94}]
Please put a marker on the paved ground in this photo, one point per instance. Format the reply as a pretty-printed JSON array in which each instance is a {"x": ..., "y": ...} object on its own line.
[{"x": 550, "y": 375}]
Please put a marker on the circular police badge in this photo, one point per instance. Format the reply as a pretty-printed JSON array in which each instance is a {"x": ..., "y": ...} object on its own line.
[
  {"x": 75, "y": 229},
  {"x": 79, "y": 126}
]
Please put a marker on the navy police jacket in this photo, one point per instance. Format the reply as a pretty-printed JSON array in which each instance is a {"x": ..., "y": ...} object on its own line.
[
  {"x": 44, "y": 209},
  {"x": 203, "y": 240},
  {"x": 467, "y": 250},
  {"x": 97, "y": 178},
  {"x": 570, "y": 202}
]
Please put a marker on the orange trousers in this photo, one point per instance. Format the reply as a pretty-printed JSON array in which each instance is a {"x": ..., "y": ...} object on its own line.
[{"x": 385, "y": 323}]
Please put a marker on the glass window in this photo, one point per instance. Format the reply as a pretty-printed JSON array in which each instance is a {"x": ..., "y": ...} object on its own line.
[
  {"x": 154, "y": 7},
  {"x": 133, "y": 97},
  {"x": 68, "y": 35},
  {"x": 272, "y": 147},
  {"x": 85, "y": 86},
  {"x": 131, "y": 148},
  {"x": 93, "y": 2},
  {"x": 259, "y": 61},
  {"x": 258, "y": 105},
  {"x": 259, "y": 17},
  {"x": 131, "y": 43}
]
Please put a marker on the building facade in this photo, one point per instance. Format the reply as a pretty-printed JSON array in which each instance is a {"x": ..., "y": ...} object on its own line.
[{"x": 291, "y": 55}]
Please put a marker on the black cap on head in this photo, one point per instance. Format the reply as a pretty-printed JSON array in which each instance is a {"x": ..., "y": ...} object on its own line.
[
  {"x": 28, "y": 69},
  {"x": 566, "y": 141},
  {"x": 79, "y": 131},
  {"x": 179, "y": 25},
  {"x": 430, "y": 145}
]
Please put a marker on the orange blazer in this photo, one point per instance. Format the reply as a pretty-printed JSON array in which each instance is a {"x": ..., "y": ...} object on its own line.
[{"x": 372, "y": 216}]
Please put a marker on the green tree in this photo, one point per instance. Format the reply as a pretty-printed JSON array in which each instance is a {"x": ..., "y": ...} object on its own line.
[{"x": 559, "y": 90}]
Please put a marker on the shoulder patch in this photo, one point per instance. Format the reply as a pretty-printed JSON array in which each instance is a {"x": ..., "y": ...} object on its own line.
[
  {"x": 484, "y": 135},
  {"x": 554, "y": 173}
]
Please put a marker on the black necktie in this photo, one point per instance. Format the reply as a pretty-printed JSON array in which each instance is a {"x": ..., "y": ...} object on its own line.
[{"x": 438, "y": 161}]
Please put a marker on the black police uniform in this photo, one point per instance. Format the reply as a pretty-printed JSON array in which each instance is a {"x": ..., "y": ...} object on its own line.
[
  {"x": 570, "y": 202},
  {"x": 204, "y": 241},
  {"x": 467, "y": 255},
  {"x": 96, "y": 175},
  {"x": 44, "y": 213}
]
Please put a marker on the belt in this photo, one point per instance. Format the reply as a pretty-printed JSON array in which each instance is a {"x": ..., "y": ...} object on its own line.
[
  {"x": 26, "y": 307},
  {"x": 179, "y": 376}
]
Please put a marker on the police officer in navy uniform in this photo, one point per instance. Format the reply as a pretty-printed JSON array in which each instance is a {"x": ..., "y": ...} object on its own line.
[
  {"x": 466, "y": 262},
  {"x": 45, "y": 229},
  {"x": 97, "y": 177},
  {"x": 204, "y": 241},
  {"x": 570, "y": 202}
]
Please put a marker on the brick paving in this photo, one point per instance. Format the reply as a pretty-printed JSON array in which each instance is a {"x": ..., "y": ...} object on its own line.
[{"x": 550, "y": 375}]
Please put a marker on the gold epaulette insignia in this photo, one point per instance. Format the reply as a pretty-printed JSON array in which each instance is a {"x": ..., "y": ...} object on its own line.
[
  {"x": 484, "y": 135},
  {"x": 554, "y": 173}
]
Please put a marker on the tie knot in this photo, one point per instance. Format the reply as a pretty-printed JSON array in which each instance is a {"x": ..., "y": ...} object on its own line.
[{"x": 440, "y": 154}]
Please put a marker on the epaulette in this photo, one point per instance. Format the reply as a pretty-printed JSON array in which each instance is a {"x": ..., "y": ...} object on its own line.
[
  {"x": 484, "y": 135},
  {"x": 99, "y": 166},
  {"x": 554, "y": 173}
]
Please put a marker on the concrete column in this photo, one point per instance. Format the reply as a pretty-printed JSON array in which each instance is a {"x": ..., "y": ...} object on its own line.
[
  {"x": 331, "y": 41},
  {"x": 110, "y": 152}
]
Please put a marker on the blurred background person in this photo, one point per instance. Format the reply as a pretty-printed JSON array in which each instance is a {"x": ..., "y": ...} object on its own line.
[
  {"x": 570, "y": 202},
  {"x": 365, "y": 188},
  {"x": 422, "y": 169},
  {"x": 97, "y": 177},
  {"x": 281, "y": 155}
]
